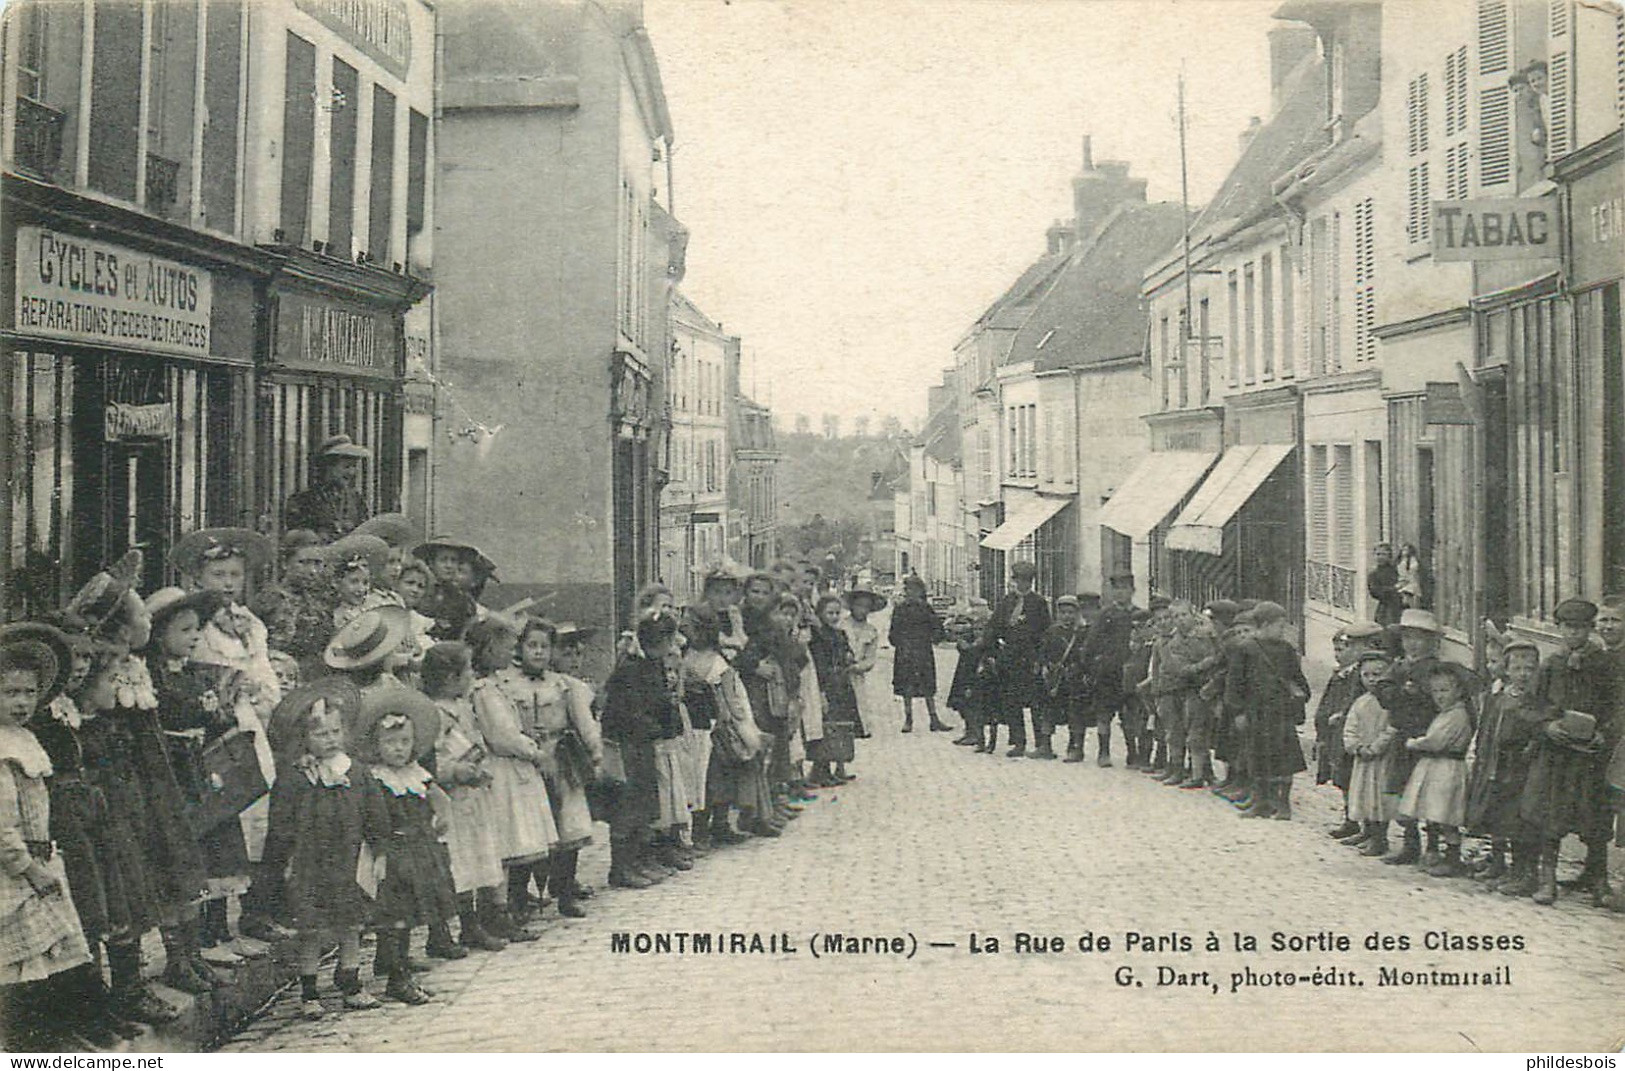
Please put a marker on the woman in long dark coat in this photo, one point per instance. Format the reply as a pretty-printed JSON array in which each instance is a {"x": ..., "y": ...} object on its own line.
[{"x": 915, "y": 628}]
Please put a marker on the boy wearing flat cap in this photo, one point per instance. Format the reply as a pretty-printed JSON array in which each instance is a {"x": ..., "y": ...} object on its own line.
[
  {"x": 1581, "y": 677},
  {"x": 331, "y": 506}
]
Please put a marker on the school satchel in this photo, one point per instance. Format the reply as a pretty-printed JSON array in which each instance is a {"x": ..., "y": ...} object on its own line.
[
  {"x": 232, "y": 779},
  {"x": 575, "y": 761}
]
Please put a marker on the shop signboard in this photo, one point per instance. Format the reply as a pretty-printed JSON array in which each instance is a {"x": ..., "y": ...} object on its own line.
[
  {"x": 74, "y": 289},
  {"x": 1495, "y": 228},
  {"x": 314, "y": 334}
]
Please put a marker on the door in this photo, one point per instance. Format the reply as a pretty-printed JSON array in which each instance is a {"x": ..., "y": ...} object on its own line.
[{"x": 1426, "y": 521}]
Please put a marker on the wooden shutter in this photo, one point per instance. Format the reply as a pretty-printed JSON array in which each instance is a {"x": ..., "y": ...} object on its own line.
[
  {"x": 1319, "y": 527},
  {"x": 1560, "y": 80},
  {"x": 1417, "y": 207},
  {"x": 1343, "y": 506},
  {"x": 1416, "y": 116},
  {"x": 1455, "y": 92},
  {"x": 1365, "y": 280},
  {"x": 1494, "y": 97}
]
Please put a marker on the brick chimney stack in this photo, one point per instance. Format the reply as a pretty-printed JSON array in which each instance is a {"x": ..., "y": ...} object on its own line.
[{"x": 1100, "y": 188}]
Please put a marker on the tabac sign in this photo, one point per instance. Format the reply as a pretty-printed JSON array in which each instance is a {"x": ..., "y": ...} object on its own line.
[{"x": 1495, "y": 228}]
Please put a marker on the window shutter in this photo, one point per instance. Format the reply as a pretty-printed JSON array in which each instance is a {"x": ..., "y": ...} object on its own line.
[
  {"x": 1343, "y": 474},
  {"x": 1559, "y": 82},
  {"x": 1319, "y": 529},
  {"x": 1416, "y": 217},
  {"x": 1494, "y": 97},
  {"x": 1455, "y": 92},
  {"x": 1365, "y": 280},
  {"x": 1416, "y": 115},
  {"x": 1492, "y": 36},
  {"x": 1619, "y": 64},
  {"x": 1334, "y": 294},
  {"x": 1457, "y": 171}
]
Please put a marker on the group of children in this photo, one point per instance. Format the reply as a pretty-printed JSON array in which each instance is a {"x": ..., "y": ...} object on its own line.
[
  {"x": 1521, "y": 760},
  {"x": 362, "y": 747}
]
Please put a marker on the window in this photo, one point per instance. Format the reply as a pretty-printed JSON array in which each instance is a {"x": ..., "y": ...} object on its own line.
[
  {"x": 1167, "y": 357},
  {"x": 1030, "y": 435},
  {"x": 1266, "y": 314},
  {"x": 1455, "y": 93},
  {"x": 1203, "y": 329},
  {"x": 1319, "y": 527},
  {"x": 1250, "y": 322},
  {"x": 1235, "y": 324},
  {"x": 1343, "y": 518},
  {"x": 115, "y": 98},
  {"x": 1416, "y": 116},
  {"x": 298, "y": 139},
  {"x": 1494, "y": 96},
  {"x": 341, "y": 184},
  {"x": 1365, "y": 280},
  {"x": 1418, "y": 205},
  {"x": 1289, "y": 312},
  {"x": 29, "y": 19},
  {"x": 222, "y": 72},
  {"x": 1013, "y": 422},
  {"x": 417, "y": 171},
  {"x": 381, "y": 201}
]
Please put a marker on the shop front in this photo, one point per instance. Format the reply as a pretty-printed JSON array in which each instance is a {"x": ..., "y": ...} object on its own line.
[
  {"x": 128, "y": 347},
  {"x": 1042, "y": 530},
  {"x": 1240, "y": 535},
  {"x": 335, "y": 366}
]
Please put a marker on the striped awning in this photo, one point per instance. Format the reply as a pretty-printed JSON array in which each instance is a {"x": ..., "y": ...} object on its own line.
[
  {"x": 1152, "y": 490},
  {"x": 1240, "y": 472}
]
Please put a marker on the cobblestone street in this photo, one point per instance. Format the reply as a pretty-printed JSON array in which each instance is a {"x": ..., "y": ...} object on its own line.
[{"x": 935, "y": 843}]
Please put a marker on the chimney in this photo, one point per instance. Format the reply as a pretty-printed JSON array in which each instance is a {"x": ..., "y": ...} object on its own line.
[
  {"x": 1058, "y": 239},
  {"x": 1247, "y": 135},
  {"x": 1289, "y": 45},
  {"x": 935, "y": 399},
  {"x": 1098, "y": 189}
]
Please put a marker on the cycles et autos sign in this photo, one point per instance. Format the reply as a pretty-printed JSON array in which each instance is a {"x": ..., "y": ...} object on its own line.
[{"x": 77, "y": 290}]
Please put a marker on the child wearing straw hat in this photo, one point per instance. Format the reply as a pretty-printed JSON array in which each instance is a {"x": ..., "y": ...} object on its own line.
[{"x": 323, "y": 810}]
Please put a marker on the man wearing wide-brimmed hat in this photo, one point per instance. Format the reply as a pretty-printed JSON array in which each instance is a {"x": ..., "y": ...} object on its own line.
[{"x": 331, "y": 506}]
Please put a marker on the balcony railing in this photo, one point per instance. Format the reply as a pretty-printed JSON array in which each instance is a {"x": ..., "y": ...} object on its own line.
[
  {"x": 38, "y": 147},
  {"x": 1329, "y": 584}
]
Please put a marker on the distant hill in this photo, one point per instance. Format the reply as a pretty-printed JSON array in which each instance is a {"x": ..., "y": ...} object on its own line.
[{"x": 830, "y": 476}]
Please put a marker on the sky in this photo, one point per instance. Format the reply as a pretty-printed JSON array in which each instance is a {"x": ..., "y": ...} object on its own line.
[{"x": 862, "y": 178}]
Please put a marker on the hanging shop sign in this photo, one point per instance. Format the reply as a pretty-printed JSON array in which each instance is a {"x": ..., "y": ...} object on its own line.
[
  {"x": 126, "y": 422},
  {"x": 315, "y": 335},
  {"x": 76, "y": 290},
  {"x": 1495, "y": 228},
  {"x": 380, "y": 28}
]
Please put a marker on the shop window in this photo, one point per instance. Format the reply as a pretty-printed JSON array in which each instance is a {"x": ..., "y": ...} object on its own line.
[
  {"x": 344, "y": 109},
  {"x": 381, "y": 207}
]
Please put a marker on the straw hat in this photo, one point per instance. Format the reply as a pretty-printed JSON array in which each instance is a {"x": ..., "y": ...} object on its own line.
[
  {"x": 167, "y": 602},
  {"x": 48, "y": 646},
  {"x": 372, "y": 637},
  {"x": 341, "y": 446},
  {"x": 382, "y": 704},
  {"x": 1421, "y": 620},
  {"x": 392, "y": 528},
  {"x": 482, "y": 564},
  {"x": 877, "y": 601},
  {"x": 357, "y": 547},
  {"x": 288, "y": 720},
  {"x": 193, "y": 549}
]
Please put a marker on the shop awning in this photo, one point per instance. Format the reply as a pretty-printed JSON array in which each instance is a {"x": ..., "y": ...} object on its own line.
[
  {"x": 1025, "y": 519},
  {"x": 1152, "y": 490},
  {"x": 1240, "y": 472}
]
